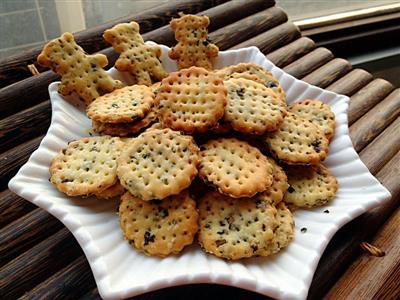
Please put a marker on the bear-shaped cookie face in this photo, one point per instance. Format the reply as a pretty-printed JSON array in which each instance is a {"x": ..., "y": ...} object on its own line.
[
  {"x": 137, "y": 58},
  {"x": 80, "y": 72},
  {"x": 194, "y": 47}
]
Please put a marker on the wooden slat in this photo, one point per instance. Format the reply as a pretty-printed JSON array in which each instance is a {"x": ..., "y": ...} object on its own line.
[
  {"x": 246, "y": 28},
  {"x": 375, "y": 121},
  {"x": 36, "y": 264},
  {"x": 25, "y": 232},
  {"x": 372, "y": 277},
  {"x": 289, "y": 53},
  {"x": 377, "y": 153},
  {"x": 15, "y": 68},
  {"x": 273, "y": 38},
  {"x": 24, "y": 125},
  {"x": 12, "y": 207},
  {"x": 11, "y": 160},
  {"x": 308, "y": 63},
  {"x": 344, "y": 246},
  {"x": 25, "y": 93},
  {"x": 351, "y": 83},
  {"x": 328, "y": 73},
  {"x": 70, "y": 282},
  {"x": 33, "y": 90},
  {"x": 366, "y": 98}
]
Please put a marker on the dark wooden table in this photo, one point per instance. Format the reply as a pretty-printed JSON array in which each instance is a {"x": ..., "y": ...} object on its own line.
[{"x": 40, "y": 258}]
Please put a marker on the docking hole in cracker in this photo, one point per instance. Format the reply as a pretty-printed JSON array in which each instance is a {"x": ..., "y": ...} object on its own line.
[
  {"x": 156, "y": 227},
  {"x": 191, "y": 100},
  {"x": 158, "y": 163},
  {"x": 87, "y": 166},
  {"x": 235, "y": 228},
  {"x": 234, "y": 167}
]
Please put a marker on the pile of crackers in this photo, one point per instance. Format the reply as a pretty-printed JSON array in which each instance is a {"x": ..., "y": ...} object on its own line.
[{"x": 199, "y": 154}]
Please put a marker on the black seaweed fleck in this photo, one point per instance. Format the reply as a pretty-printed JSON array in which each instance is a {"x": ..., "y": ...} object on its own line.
[
  {"x": 271, "y": 84},
  {"x": 303, "y": 230},
  {"x": 316, "y": 144},
  {"x": 291, "y": 189},
  {"x": 326, "y": 211},
  {"x": 148, "y": 238},
  {"x": 240, "y": 92},
  {"x": 163, "y": 212}
]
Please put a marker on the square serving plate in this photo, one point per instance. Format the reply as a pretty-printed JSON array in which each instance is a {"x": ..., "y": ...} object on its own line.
[{"x": 122, "y": 272}]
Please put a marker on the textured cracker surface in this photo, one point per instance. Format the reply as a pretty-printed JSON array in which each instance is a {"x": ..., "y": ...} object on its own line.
[
  {"x": 159, "y": 227},
  {"x": 113, "y": 191},
  {"x": 234, "y": 167},
  {"x": 86, "y": 166},
  {"x": 123, "y": 105},
  {"x": 137, "y": 58},
  {"x": 310, "y": 186},
  {"x": 318, "y": 113},
  {"x": 191, "y": 100},
  {"x": 297, "y": 141},
  {"x": 158, "y": 163},
  {"x": 235, "y": 228},
  {"x": 80, "y": 73},
  {"x": 252, "y": 107},
  {"x": 193, "y": 48}
]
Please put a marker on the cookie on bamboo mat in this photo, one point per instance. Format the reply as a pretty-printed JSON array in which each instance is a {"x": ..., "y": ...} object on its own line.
[
  {"x": 156, "y": 227},
  {"x": 123, "y": 105},
  {"x": 234, "y": 167},
  {"x": 113, "y": 191},
  {"x": 235, "y": 228},
  {"x": 251, "y": 107},
  {"x": 80, "y": 72},
  {"x": 158, "y": 163},
  {"x": 87, "y": 166},
  {"x": 274, "y": 194},
  {"x": 191, "y": 100},
  {"x": 283, "y": 234},
  {"x": 125, "y": 129},
  {"x": 319, "y": 113},
  {"x": 193, "y": 48},
  {"x": 297, "y": 141},
  {"x": 253, "y": 72},
  {"x": 137, "y": 58},
  {"x": 310, "y": 186}
]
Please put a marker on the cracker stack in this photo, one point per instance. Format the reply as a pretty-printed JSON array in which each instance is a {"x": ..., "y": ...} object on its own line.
[{"x": 226, "y": 138}]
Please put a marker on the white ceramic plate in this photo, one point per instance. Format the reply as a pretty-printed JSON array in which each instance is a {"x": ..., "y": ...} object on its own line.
[{"x": 122, "y": 272}]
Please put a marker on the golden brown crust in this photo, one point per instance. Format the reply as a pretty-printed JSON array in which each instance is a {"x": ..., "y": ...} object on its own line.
[
  {"x": 158, "y": 163},
  {"x": 234, "y": 167},
  {"x": 86, "y": 166},
  {"x": 159, "y": 228},
  {"x": 318, "y": 113},
  {"x": 235, "y": 228},
  {"x": 310, "y": 186},
  {"x": 191, "y": 100},
  {"x": 297, "y": 141}
]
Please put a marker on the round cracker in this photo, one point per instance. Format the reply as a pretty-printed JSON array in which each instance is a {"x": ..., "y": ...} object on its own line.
[
  {"x": 235, "y": 228},
  {"x": 253, "y": 72},
  {"x": 86, "y": 166},
  {"x": 158, "y": 163},
  {"x": 234, "y": 167},
  {"x": 310, "y": 186},
  {"x": 318, "y": 113},
  {"x": 297, "y": 141},
  {"x": 125, "y": 129},
  {"x": 252, "y": 108},
  {"x": 123, "y": 105},
  {"x": 283, "y": 234},
  {"x": 274, "y": 194},
  {"x": 159, "y": 227},
  {"x": 191, "y": 100}
]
